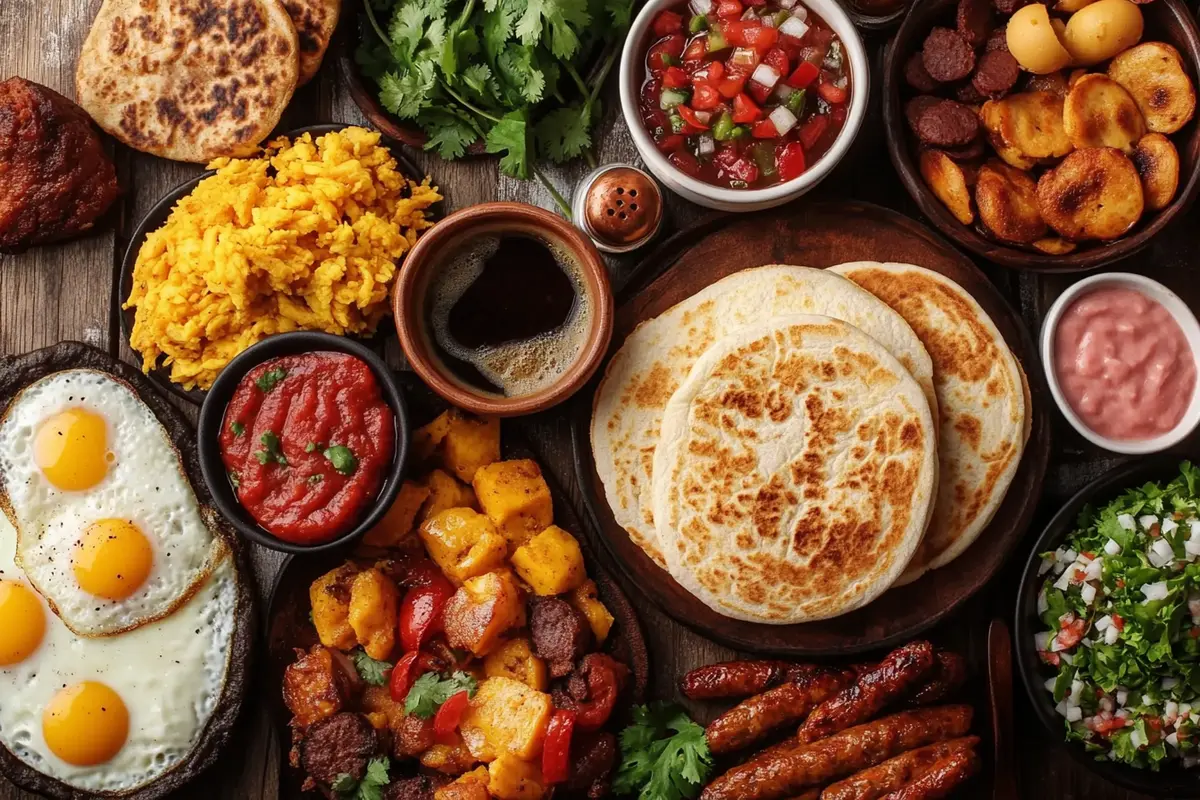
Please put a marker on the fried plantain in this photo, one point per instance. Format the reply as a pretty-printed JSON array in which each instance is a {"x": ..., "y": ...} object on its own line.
[
  {"x": 1031, "y": 123},
  {"x": 1157, "y": 162},
  {"x": 1007, "y": 201},
  {"x": 1054, "y": 246},
  {"x": 1154, "y": 75},
  {"x": 1098, "y": 112},
  {"x": 948, "y": 183},
  {"x": 1053, "y": 82},
  {"x": 1095, "y": 193}
]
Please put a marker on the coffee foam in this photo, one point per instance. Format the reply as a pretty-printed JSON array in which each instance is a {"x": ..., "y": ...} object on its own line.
[{"x": 522, "y": 367}]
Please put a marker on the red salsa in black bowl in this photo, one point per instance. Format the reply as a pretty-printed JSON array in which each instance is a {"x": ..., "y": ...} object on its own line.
[{"x": 744, "y": 94}]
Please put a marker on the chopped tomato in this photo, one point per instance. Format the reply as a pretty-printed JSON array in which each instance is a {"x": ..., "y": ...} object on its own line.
[
  {"x": 729, "y": 9},
  {"x": 758, "y": 92},
  {"x": 666, "y": 23},
  {"x": 697, "y": 50},
  {"x": 705, "y": 98},
  {"x": 1118, "y": 622},
  {"x": 1072, "y": 630},
  {"x": 810, "y": 132},
  {"x": 734, "y": 32},
  {"x": 803, "y": 75},
  {"x": 1120, "y": 583},
  {"x": 744, "y": 109},
  {"x": 1052, "y": 659},
  {"x": 737, "y": 167},
  {"x": 711, "y": 74},
  {"x": 450, "y": 714},
  {"x": 421, "y": 611},
  {"x": 756, "y": 2},
  {"x": 790, "y": 161},
  {"x": 761, "y": 38},
  {"x": 665, "y": 53},
  {"x": 675, "y": 78},
  {"x": 1153, "y": 531},
  {"x": 732, "y": 87},
  {"x": 556, "y": 751},
  {"x": 685, "y": 162},
  {"x": 777, "y": 59},
  {"x": 764, "y": 129},
  {"x": 671, "y": 143},
  {"x": 693, "y": 121},
  {"x": 1194, "y": 633},
  {"x": 1105, "y": 726},
  {"x": 830, "y": 93}
]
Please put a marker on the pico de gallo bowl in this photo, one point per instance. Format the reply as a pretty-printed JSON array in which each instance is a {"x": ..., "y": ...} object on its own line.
[{"x": 744, "y": 94}]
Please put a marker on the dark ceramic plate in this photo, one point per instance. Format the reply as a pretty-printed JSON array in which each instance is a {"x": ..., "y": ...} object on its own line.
[
  {"x": 157, "y": 215},
  {"x": 289, "y": 626},
  {"x": 212, "y": 414},
  {"x": 1171, "y": 782}
]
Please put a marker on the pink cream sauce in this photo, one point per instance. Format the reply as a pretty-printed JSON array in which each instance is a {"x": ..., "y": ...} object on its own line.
[{"x": 1124, "y": 364}]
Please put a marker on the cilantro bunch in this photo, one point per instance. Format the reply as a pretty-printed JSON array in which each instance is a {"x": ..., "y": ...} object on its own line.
[
  {"x": 664, "y": 755},
  {"x": 507, "y": 72}
]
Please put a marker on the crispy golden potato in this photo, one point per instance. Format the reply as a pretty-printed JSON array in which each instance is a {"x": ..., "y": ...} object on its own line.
[
  {"x": 1010, "y": 155},
  {"x": 471, "y": 443},
  {"x": 1075, "y": 75},
  {"x": 463, "y": 543},
  {"x": 515, "y": 659},
  {"x": 516, "y": 498},
  {"x": 1157, "y": 162},
  {"x": 482, "y": 611},
  {"x": 374, "y": 606},
  {"x": 586, "y": 600},
  {"x": 445, "y": 491},
  {"x": 1032, "y": 123},
  {"x": 471, "y": 786},
  {"x": 1095, "y": 193},
  {"x": 1054, "y": 246},
  {"x": 1053, "y": 82},
  {"x": 449, "y": 757},
  {"x": 1154, "y": 75},
  {"x": 428, "y": 438},
  {"x": 1098, "y": 112},
  {"x": 1102, "y": 29},
  {"x": 551, "y": 562},
  {"x": 330, "y": 598},
  {"x": 506, "y": 717},
  {"x": 510, "y": 778},
  {"x": 1034, "y": 42},
  {"x": 946, "y": 180},
  {"x": 397, "y": 523},
  {"x": 315, "y": 685},
  {"x": 1007, "y": 201}
]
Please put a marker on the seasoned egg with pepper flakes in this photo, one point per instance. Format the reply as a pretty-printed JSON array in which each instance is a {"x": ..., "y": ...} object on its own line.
[{"x": 108, "y": 528}]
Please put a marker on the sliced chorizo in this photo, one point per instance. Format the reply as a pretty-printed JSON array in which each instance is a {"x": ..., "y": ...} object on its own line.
[
  {"x": 974, "y": 21},
  {"x": 996, "y": 74},
  {"x": 947, "y": 56},
  {"x": 917, "y": 76},
  {"x": 946, "y": 123}
]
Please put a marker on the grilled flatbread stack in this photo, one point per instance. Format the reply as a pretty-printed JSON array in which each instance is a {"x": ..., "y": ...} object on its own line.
[
  {"x": 193, "y": 80},
  {"x": 982, "y": 396}
]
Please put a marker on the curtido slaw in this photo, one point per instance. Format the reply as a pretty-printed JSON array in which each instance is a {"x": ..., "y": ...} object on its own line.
[{"x": 1121, "y": 601}]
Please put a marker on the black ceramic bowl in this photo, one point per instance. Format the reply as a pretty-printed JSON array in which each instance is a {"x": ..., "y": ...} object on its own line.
[
  {"x": 1173, "y": 781},
  {"x": 212, "y": 414}
]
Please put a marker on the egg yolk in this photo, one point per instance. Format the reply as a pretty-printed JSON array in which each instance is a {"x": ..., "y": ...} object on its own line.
[
  {"x": 22, "y": 623},
  {"x": 113, "y": 559},
  {"x": 71, "y": 449},
  {"x": 85, "y": 724}
]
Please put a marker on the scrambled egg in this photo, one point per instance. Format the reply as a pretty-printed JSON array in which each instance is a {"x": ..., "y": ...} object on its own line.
[{"x": 305, "y": 237}]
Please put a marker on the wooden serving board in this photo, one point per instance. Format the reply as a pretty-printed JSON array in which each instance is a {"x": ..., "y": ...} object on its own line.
[{"x": 819, "y": 235}]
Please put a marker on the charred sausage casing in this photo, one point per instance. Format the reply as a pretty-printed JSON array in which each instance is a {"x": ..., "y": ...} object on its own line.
[
  {"x": 949, "y": 674},
  {"x": 753, "y": 719},
  {"x": 941, "y": 779},
  {"x": 738, "y": 678},
  {"x": 896, "y": 773}
]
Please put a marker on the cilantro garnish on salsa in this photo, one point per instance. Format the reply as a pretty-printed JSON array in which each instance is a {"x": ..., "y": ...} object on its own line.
[{"x": 1121, "y": 608}]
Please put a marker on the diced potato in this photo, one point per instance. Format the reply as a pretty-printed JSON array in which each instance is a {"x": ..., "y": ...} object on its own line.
[
  {"x": 482, "y": 610},
  {"x": 374, "y": 604},
  {"x": 445, "y": 491},
  {"x": 428, "y": 438},
  {"x": 464, "y": 543},
  {"x": 449, "y": 757},
  {"x": 516, "y": 498},
  {"x": 513, "y": 779},
  {"x": 398, "y": 522},
  {"x": 515, "y": 659},
  {"x": 471, "y": 786},
  {"x": 551, "y": 562},
  {"x": 506, "y": 717},
  {"x": 586, "y": 599},
  {"x": 330, "y": 598},
  {"x": 314, "y": 687},
  {"x": 471, "y": 443}
]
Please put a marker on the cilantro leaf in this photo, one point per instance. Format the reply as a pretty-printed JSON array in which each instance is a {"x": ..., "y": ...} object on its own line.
[
  {"x": 237, "y": 428},
  {"x": 268, "y": 379},
  {"x": 564, "y": 133},
  {"x": 511, "y": 136},
  {"x": 369, "y": 788},
  {"x": 561, "y": 17},
  {"x": 517, "y": 67},
  {"x": 449, "y": 134},
  {"x": 430, "y": 690},
  {"x": 664, "y": 755},
  {"x": 406, "y": 94},
  {"x": 342, "y": 458},
  {"x": 272, "y": 451},
  {"x": 371, "y": 670},
  {"x": 344, "y": 784}
]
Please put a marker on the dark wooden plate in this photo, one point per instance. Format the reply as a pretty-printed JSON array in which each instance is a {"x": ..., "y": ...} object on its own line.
[
  {"x": 1166, "y": 20},
  {"x": 288, "y": 624},
  {"x": 157, "y": 216},
  {"x": 820, "y": 235}
]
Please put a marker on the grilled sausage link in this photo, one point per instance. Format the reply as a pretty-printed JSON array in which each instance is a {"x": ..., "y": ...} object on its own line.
[
  {"x": 941, "y": 779},
  {"x": 896, "y": 773},
  {"x": 815, "y": 794},
  {"x": 842, "y": 754},
  {"x": 895, "y": 676},
  {"x": 737, "y": 678},
  {"x": 752, "y": 719},
  {"x": 949, "y": 674}
]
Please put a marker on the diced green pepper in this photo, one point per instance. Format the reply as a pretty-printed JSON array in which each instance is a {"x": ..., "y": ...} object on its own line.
[
  {"x": 670, "y": 98},
  {"x": 698, "y": 23},
  {"x": 764, "y": 156},
  {"x": 781, "y": 17},
  {"x": 716, "y": 40},
  {"x": 669, "y": 60},
  {"x": 677, "y": 123},
  {"x": 722, "y": 129},
  {"x": 739, "y": 131},
  {"x": 795, "y": 102}
]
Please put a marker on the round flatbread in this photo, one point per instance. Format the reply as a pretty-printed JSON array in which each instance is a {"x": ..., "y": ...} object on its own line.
[
  {"x": 189, "y": 80},
  {"x": 796, "y": 472},
  {"x": 981, "y": 395},
  {"x": 315, "y": 22},
  {"x": 655, "y": 358}
]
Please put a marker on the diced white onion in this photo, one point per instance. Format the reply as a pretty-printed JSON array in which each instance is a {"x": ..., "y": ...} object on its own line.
[
  {"x": 765, "y": 75},
  {"x": 800, "y": 11},
  {"x": 1106, "y": 704},
  {"x": 1112, "y": 548},
  {"x": 1042, "y": 604},
  {"x": 1060, "y": 555},
  {"x": 1112, "y": 635},
  {"x": 769, "y": 21},
  {"x": 1169, "y": 525},
  {"x": 783, "y": 119},
  {"x": 1126, "y": 521},
  {"x": 1147, "y": 700},
  {"x": 1173, "y": 739},
  {"x": 703, "y": 116},
  {"x": 783, "y": 92},
  {"x": 1041, "y": 641},
  {"x": 1192, "y": 547},
  {"x": 1122, "y": 697},
  {"x": 1067, "y": 658},
  {"x": 1194, "y": 526},
  {"x": 1046, "y": 564},
  {"x": 1170, "y": 711},
  {"x": 702, "y": 6},
  {"x": 706, "y": 146},
  {"x": 1185, "y": 708},
  {"x": 1094, "y": 569},
  {"x": 1074, "y": 714},
  {"x": 794, "y": 26},
  {"x": 1121, "y": 713},
  {"x": 842, "y": 81},
  {"x": 788, "y": 4},
  {"x": 1155, "y": 591},
  {"x": 1136, "y": 739},
  {"x": 1088, "y": 593},
  {"x": 1076, "y": 690},
  {"x": 1104, "y": 623},
  {"x": 1147, "y": 521},
  {"x": 1061, "y": 708},
  {"x": 1161, "y": 553},
  {"x": 1050, "y": 684},
  {"x": 1070, "y": 555},
  {"x": 1056, "y": 645},
  {"x": 1064, "y": 580},
  {"x": 744, "y": 57}
]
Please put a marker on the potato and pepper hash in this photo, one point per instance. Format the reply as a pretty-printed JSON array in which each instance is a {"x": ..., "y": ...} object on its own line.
[{"x": 461, "y": 644}]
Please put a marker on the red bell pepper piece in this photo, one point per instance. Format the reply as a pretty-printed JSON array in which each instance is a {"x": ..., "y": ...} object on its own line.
[
  {"x": 729, "y": 9},
  {"x": 705, "y": 98},
  {"x": 666, "y": 23},
  {"x": 556, "y": 749},
  {"x": 422, "y": 608},
  {"x": 404, "y": 674},
  {"x": 744, "y": 109},
  {"x": 450, "y": 714},
  {"x": 790, "y": 161},
  {"x": 805, "y": 74},
  {"x": 810, "y": 132},
  {"x": 675, "y": 78},
  {"x": 764, "y": 129},
  {"x": 689, "y": 116}
]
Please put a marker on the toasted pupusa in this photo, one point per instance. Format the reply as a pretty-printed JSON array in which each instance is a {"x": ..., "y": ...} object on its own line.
[
  {"x": 1095, "y": 193},
  {"x": 1153, "y": 73},
  {"x": 1030, "y": 123},
  {"x": 1052, "y": 245},
  {"x": 1098, "y": 112},
  {"x": 1157, "y": 162},
  {"x": 946, "y": 180},
  {"x": 1007, "y": 201}
]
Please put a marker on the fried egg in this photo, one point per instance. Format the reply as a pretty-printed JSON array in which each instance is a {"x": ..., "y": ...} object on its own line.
[
  {"x": 108, "y": 528},
  {"x": 109, "y": 714}
]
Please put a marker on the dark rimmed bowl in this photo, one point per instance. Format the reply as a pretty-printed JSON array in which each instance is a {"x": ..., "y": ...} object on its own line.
[
  {"x": 157, "y": 216},
  {"x": 1166, "y": 20},
  {"x": 1171, "y": 782},
  {"x": 212, "y": 415}
]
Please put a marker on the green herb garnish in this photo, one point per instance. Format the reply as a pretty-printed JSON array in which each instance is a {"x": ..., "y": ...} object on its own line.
[
  {"x": 430, "y": 690},
  {"x": 235, "y": 479},
  {"x": 273, "y": 452},
  {"x": 342, "y": 459},
  {"x": 371, "y": 670},
  {"x": 310, "y": 447},
  {"x": 237, "y": 428},
  {"x": 315, "y": 479},
  {"x": 664, "y": 755},
  {"x": 369, "y": 788},
  {"x": 268, "y": 379}
]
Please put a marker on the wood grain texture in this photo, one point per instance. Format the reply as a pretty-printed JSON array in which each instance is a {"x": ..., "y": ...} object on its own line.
[{"x": 66, "y": 292}]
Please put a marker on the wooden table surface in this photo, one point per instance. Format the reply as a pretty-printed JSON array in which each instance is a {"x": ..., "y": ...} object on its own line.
[{"x": 66, "y": 292}]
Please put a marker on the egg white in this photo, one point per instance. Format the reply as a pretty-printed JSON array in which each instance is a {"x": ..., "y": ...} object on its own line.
[
  {"x": 146, "y": 484},
  {"x": 170, "y": 674}
]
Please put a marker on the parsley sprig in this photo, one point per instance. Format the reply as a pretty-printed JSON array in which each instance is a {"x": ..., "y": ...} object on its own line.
[
  {"x": 272, "y": 450},
  {"x": 664, "y": 755},
  {"x": 507, "y": 72},
  {"x": 429, "y": 691},
  {"x": 369, "y": 788},
  {"x": 371, "y": 670}
]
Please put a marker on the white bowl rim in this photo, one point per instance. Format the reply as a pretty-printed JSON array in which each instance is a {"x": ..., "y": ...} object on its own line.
[
  {"x": 1177, "y": 308},
  {"x": 631, "y": 63}
]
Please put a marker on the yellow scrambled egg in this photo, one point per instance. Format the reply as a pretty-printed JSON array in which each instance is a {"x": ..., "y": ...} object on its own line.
[{"x": 306, "y": 237}]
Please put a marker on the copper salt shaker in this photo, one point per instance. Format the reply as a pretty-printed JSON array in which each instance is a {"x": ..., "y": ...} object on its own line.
[{"x": 619, "y": 206}]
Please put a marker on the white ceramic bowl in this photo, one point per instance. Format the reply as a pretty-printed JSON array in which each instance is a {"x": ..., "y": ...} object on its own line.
[
  {"x": 632, "y": 76},
  {"x": 1182, "y": 314}
]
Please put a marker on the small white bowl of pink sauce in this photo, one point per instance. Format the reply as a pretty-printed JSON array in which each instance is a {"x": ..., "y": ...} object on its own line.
[{"x": 1121, "y": 358}]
